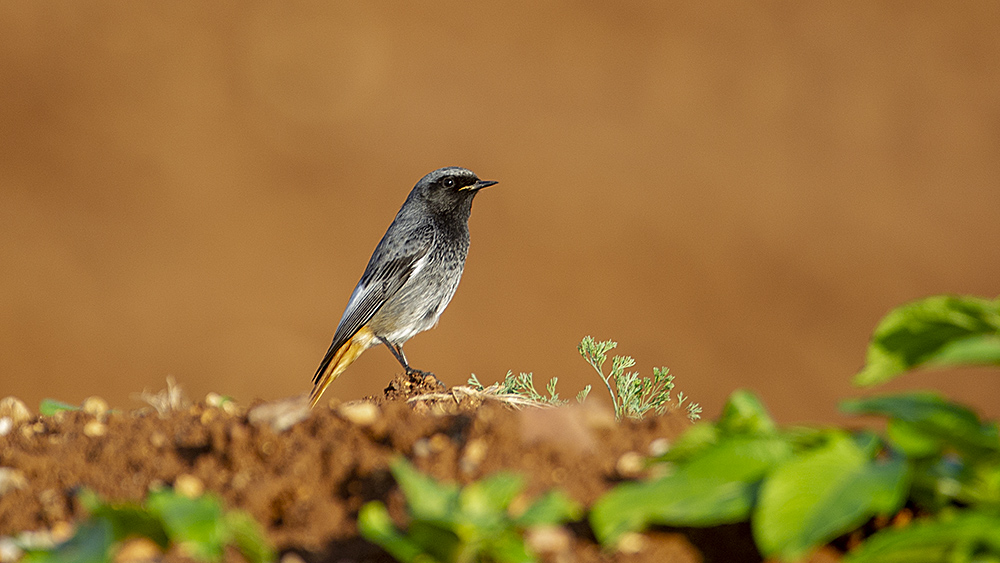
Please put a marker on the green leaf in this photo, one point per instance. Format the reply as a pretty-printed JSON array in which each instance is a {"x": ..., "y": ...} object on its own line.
[
  {"x": 950, "y": 538},
  {"x": 821, "y": 494},
  {"x": 249, "y": 538},
  {"x": 506, "y": 547},
  {"x": 911, "y": 440},
  {"x": 196, "y": 525},
  {"x": 49, "y": 407},
  {"x": 442, "y": 540},
  {"x": 488, "y": 498},
  {"x": 376, "y": 526},
  {"x": 939, "y": 331},
  {"x": 744, "y": 413},
  {"x": 91, "y": 543},
  {"x": 428, "y": 499},
  {"x": 934, "y": 417},
  {"x": 697, "y": 438},
  {"x": 718, "y": 485},
  {"x": 129, "y": 520},
  {"x": 553, "y": 508}
]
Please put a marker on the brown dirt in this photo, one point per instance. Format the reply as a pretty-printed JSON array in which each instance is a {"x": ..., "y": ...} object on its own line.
[{"x": 306, "y": 483}]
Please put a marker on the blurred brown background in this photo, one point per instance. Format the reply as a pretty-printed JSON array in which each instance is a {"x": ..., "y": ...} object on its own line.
[{"x": 736, "y": 190}]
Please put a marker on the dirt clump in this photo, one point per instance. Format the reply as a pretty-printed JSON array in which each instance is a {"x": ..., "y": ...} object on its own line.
[{"x": 304, "y": 474}]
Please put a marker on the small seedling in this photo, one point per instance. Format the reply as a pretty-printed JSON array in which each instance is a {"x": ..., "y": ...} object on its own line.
[
  {"x": 474, "y": 523},
  {"x": 49, "y": 407},
  {"x": 199, "y": 527}
]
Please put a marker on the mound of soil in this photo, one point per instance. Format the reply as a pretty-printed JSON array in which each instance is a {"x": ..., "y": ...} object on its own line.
[{"x": 304, "y": 474}]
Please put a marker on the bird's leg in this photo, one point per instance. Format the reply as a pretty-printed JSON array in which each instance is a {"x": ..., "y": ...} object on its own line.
[{"x": 397, "y": 352}]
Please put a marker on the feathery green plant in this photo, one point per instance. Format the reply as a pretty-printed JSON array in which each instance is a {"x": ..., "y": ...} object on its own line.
[{"x": 633, "y": 396}]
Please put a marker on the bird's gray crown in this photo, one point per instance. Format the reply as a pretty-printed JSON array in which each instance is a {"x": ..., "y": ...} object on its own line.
[{"x": 462, "y": 176}]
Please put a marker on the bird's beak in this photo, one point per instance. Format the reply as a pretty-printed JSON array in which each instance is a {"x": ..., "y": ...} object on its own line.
[{"x": 480, "y": 185}]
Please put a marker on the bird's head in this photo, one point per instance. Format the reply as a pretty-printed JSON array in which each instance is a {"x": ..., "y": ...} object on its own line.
[{"x": 450, "y": 190}]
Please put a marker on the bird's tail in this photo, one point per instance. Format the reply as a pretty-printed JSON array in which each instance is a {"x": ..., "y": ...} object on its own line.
[{"x": 338, "y": 362}]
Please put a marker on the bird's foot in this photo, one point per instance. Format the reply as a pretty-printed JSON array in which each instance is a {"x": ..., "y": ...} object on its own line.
[{"x": 425, "y": 375}]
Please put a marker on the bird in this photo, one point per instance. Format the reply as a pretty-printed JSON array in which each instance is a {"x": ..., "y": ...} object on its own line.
[{"x": 411, "y": 276}]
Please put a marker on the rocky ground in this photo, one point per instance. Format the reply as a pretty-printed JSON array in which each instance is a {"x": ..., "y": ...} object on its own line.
[{"x": 305, "y": 474}]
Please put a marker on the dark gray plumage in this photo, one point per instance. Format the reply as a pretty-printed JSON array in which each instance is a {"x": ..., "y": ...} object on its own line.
[{"x": 411, "y": 276}]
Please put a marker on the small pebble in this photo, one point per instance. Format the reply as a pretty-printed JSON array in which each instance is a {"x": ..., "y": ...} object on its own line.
[
  {"x": 280, "y": 415},
  {"x": 548, "y": 539},
  {"x": 14, "y": 409},
  {"x": 630, "y": 465},
  {"x": 209, "y": 415},
  {"x": 94, "y": 406},
  {"x": 188, "y": 485},
  {"x": 62, "y": 531},
  {"x": 439, "y": 442},
  {"x": 225, "y": 404},
  {"x": 9, "y": 550},
  {"x": 11, "y": 480},
  {"x": 138, "y": 550},
  {"x": 474, "y": 454},
  {"x": 361, "y": 413},
  {"x": 631, "y": 543},
  {"x": 158, "y": 439},
  {"x": 95, "y": 429},
  {"x": 291, "y": 557},
  {"x": 421, "y": 448},
  {"x": 659, "y": 447}
]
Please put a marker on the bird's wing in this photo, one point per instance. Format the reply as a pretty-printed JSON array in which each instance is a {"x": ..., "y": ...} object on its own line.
[{"x": 386, "y": 273}]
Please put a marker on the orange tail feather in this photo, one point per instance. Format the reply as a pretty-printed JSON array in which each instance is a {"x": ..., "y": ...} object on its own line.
[{"x": 344, "y": 357}]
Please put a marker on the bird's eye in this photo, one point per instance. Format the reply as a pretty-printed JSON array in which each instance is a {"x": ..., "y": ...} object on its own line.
[{"x": 448, "y": 183}]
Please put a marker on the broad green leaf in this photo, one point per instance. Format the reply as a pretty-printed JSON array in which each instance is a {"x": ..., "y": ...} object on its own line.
[
  {"x": 249, "y": 538},
  {"x": 699, "y": 437},
  {"x": 196, "y": 525},
  {"x": 939, "y": 331},
  {"x": 49, "y": 407},
  {"x": 716, "y": 486},
  {"x": 376, "y": 526},
  {"x": 507, "y": 547},
  {"x": 743, "y": 413},
  {"x": 126, "y": 518},
  {"x": 428, "y": 499},
  {"x": 91, "y": 543},
  {"x": 934, "y": 416},
  {"x": 821, "y": 494},
  {"x": 931, "y": 541},
  {"x": 552, "y": 508},
  {"x": 911, "y": 440},
  {"x": 487, "y": 500},
  {"x": 443, "y": 540}
]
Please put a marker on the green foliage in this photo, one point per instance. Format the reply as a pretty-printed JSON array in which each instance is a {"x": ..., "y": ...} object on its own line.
[
  {"x": 451, "y": 524},
  {"x": 968, "y": 535},
  {"x": 198, "y": 526},
  {"x": 633, "y": 396},
  {"x": 49, "y": 407},
  {"x": 939, "y": 331},
  {"x": 802, "y": 487},
  {"x": 799, "y": 487}
]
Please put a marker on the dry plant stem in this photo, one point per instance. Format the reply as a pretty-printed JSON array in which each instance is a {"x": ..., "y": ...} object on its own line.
[{"x": 490, "y": 393}]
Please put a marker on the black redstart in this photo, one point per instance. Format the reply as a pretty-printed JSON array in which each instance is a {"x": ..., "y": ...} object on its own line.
[{"x": 410, "y": 277}]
